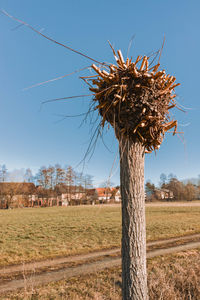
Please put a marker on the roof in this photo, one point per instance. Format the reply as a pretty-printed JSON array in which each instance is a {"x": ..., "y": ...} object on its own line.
[
  {"x": 17, "y": 188},
  {"x": 166, "y": 191},
  {"x": 103, "y": 191},
  {"x": 63, "y": 188}
]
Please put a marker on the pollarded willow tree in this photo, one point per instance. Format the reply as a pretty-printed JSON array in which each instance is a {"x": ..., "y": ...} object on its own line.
[{"x": 135, "y": 98}]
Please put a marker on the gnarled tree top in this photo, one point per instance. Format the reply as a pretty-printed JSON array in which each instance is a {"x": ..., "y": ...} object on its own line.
[{"x": 135, "y": 99}]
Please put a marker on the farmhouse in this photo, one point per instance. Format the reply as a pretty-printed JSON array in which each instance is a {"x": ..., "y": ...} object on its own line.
[
  {"x": 117, "y": 195},
  {"x": 72, "y": 198},
  {"x": 164, "y": 194},
  {"x": 16, "y": 194},
  {"x": 106, "y": 195},
  {"x": 87, "y": 196},
  {"x": 91, "y": 196},
  {"x": 23, "y": 194}
]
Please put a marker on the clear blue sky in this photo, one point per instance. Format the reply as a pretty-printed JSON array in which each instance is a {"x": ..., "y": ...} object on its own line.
[{"x": 31, "y": 137}]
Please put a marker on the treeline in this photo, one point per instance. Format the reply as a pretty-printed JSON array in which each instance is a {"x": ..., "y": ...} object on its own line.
[
  {"x": 52, "y": 176},
  {"x": 179, "y": 190}
]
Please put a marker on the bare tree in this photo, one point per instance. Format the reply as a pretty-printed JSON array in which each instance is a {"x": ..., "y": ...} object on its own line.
[
  {"x": 88, "y": 181},
  {"x": 43, "y": 177},
  {"x": 150, "y": 191},
  {"x": 59, "y": 175},
  {"x": 28, "y": 176},
  {"x": 51, "y": 174},
  {"x": 3, "y": 173},
  {"x": 163, "y": 179},
  {"x": 171, "y": 176},
  {"x": 135, "y": 98},
  {"x": 69, "y": 180},
  {"x": 190, "y": 191},
  {"x": 79, "y": 181},
  {"x": 106, "y": 184}
]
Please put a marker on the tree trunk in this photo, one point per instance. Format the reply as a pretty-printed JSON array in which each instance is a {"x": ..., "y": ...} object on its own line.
[{"x": 134, "y": 276}]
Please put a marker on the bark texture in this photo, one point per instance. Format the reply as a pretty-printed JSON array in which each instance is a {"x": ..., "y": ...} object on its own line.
[{"x": 134, "y": 276}]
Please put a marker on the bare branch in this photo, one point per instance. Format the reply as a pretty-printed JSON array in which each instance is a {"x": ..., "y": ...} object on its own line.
[
  {"x": 54, "y": 79},
  {"x": 72, "y": 116},
  {"x": 130, "y": 45},
  {"x": 65, "y": 98},
  {"x": 50, "y": 39},
  {"x": 161, "y": 50}
]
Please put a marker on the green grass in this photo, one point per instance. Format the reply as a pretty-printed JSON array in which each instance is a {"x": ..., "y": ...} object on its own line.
[{"x": 37, "y": 233}]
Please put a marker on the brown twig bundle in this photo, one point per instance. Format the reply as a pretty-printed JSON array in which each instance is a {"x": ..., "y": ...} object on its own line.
[{"x": 134, "y": 99}]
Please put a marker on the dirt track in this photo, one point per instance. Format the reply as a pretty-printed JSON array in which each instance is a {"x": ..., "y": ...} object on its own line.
[
  {"x": 175, "y": 204},
  {"x": 165, "y": 204},
  {"x": 38, "y": 273}
]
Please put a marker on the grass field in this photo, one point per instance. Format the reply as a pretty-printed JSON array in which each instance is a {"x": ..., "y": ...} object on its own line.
[{"x": 37, "y": 233}]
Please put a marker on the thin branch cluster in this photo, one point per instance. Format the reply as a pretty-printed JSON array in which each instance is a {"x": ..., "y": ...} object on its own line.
[{"x": 135, "y": 99}]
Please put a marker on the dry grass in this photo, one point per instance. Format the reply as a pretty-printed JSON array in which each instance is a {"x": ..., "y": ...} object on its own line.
[
  {"x": 28, "y": 234},
  {"x": 38, "y": 233},
  {"x": 178, "y": 278},
  {"x": 166, "y": 222},
  {"x": 174, "y": 277}
]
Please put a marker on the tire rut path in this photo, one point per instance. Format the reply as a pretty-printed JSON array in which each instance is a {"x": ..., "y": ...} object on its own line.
[{"x": 105, "y": 260}]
